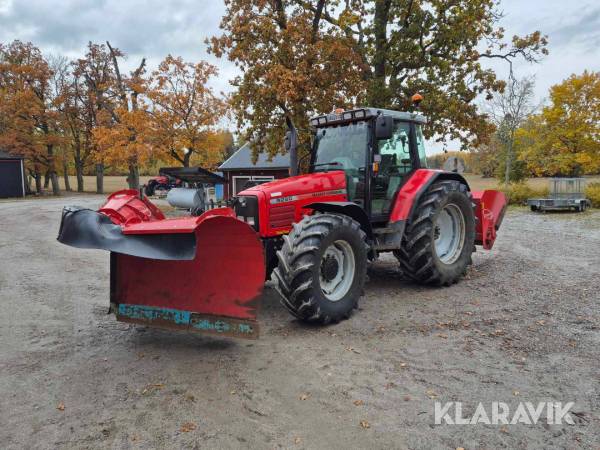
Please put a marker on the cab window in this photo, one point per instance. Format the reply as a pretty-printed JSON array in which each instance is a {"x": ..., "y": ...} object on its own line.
[
  {"x": 394, "y": 164},
  {"x": 421, "y": 147}
]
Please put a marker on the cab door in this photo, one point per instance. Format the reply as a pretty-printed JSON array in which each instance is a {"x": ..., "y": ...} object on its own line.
[{"x": 394, "y": 159}]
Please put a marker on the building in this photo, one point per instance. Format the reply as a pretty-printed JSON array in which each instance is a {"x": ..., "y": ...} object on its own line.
[
  {"x": 240, "y": 171},
  {"x": 12, "y": 175}
]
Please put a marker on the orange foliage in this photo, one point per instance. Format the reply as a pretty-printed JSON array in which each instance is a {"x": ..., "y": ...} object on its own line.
[{"x": 185, "y": 112}]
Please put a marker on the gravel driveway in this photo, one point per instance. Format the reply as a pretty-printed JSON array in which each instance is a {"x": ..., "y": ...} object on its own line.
[{"x": 523, "y": 326}]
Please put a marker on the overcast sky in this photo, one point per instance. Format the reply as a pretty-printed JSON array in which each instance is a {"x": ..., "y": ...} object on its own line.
[{"x": 155, "y": 28}]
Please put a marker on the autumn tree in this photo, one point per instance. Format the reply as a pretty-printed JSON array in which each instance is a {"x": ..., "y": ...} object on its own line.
[
  {"x": 299, "y": 57},
  {"x": 27, "y": 110},
  {"x": 91, "y": 101},
  {"x": 564, "y": 139},
  {"x": 185, "y": 112},
  {"x": 123, "y": 135},
  {"x": 509, "y": 110}
]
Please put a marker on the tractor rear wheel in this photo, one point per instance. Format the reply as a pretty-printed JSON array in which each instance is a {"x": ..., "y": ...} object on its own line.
[
  {"x": 322, "y": 267},
  {"x": 440, "y": 236}
]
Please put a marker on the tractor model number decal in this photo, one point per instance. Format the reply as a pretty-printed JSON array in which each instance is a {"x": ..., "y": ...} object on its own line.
[
  {"x": 289, "y": 198},
  {"x": 292, "y": 198}
]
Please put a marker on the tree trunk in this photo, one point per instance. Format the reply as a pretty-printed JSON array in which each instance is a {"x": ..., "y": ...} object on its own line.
[
  {"x": 134, "y": 177},
  {"x": 78, "y": 165},
  {"x": 99, "y": 178},
  {"x": 186, "y": 159},
  {"x": 509, "y": 156},
  {"x": 54, "y": 182},
  {"x": 66, "y": 175},
  {"x": 378, "y": 89},
  {"x": 47, "y": 179},
  {"x": 38, "y": 181},
  {"x": 79, "y": 173}
]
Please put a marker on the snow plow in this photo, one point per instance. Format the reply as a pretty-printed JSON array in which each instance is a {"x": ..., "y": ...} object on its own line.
[{"x": 368, "y": 191}]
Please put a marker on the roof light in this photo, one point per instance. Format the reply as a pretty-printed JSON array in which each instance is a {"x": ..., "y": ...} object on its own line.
[
  {"x": 314, "y": 122},
  {"x": 360, "y": 114},
  {"x": 322, "y": 120},
  {"x": 347, "y": 115}
]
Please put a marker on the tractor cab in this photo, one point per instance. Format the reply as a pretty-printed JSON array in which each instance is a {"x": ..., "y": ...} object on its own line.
[{"x": 376, "y": 148}]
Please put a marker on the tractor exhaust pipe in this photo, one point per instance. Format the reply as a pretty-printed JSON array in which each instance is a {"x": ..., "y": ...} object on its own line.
[{"x": 291, "y": 145}]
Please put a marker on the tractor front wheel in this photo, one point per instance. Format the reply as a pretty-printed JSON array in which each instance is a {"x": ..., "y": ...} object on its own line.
[
  {"x": 440, "y": 236},
  {"x": 322, "y": 267}
]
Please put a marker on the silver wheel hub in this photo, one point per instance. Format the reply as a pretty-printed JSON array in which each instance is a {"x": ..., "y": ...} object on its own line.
[
  {"x": 449, "y": 233},
  {"x": 336, "y": 273}
]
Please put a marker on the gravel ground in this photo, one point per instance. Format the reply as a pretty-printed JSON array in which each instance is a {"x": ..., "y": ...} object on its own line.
[{"x": 523, "y": 326}]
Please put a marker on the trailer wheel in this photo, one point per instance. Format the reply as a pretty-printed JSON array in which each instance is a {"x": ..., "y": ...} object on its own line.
[
  {"x": 150, "y": 188},
  {"x": 440, "y": 236},
  {"x": 322, "y": 268}
]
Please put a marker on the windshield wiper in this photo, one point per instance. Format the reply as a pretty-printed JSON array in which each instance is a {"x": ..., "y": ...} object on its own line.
[{"x": 333, "y": 163}]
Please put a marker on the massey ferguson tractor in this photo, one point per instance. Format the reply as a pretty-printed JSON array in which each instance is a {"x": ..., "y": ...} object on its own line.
[{"x": 367, "y": 191}]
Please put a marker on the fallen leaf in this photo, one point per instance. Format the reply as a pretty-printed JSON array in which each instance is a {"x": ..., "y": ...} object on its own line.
[
  {"x": 187, "y": 427},
  {"x": 431, "y": 394},
  {"x": 297, "y": 440},
  {"x": 541, "y": 322},
  {"x": 515, "y": 393},
  {"x": 443, "y": 336},
  {"x": 365, "y": 424},
  {"x": 504, "y": 430},
  {"x": 407, "y": 398},
  {"x": 304, "y": 396},
  {"x": 232, "y": 392},
  {"x": 135, "y": 437},
  {"x": 390, "y": 385},
  {"x": 460, "y": 448},
  {"x": 61, "y": 406},
  {"x": 358, "y": 402},
  {"x": 402, "y": 364}
]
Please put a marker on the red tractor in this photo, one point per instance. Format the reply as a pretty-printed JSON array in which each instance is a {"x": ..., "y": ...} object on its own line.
[
  {"x": 162, "y": 183},
  {"x": 367, "y": 191}
]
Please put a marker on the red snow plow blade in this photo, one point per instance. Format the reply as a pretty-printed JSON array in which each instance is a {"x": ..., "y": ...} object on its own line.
[
  {"x": 490, "y": 207},
  {"x": 202, "y": 274}
]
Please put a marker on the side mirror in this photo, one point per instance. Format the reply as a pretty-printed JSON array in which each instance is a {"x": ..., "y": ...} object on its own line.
[{"x": 384, "y": 127}]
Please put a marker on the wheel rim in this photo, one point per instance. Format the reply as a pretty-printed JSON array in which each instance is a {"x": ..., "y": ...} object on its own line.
[
  {"x": 449, "y": 233},
  {"x": 337, "y": 270}
]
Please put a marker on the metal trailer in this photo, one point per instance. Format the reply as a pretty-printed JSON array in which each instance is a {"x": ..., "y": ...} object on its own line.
[{"x": 565, "y": 194}]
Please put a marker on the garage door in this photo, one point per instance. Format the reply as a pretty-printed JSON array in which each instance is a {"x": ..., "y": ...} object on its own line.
[{"x": 11, "y": 178}]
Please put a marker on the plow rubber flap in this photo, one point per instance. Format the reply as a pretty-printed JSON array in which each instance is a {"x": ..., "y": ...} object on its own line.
[
  {"x": 490, "y": 207},
  {"x": 217, "y": 292}
]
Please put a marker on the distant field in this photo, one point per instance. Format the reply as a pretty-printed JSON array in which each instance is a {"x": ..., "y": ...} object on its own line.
[
  {"x": 111, "y": 183},
  {"x": 477, "y": 182}
]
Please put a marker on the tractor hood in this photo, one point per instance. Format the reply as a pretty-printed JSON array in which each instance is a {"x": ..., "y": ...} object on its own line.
[
  {"x": 313, "y": 184},
  {"x": 283, "y": 202}
]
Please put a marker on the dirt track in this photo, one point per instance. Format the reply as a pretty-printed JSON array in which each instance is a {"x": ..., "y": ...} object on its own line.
[{"x": 523, "y": 326}]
